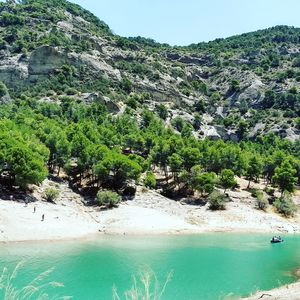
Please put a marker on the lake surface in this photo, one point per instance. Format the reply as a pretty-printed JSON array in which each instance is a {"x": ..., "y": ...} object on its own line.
[{"x": 209, "y": 266}]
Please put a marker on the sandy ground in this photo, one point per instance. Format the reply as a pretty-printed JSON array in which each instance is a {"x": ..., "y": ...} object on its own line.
[
  {"x": 287, "y": 292},
  {"x": 62, "y": 221},
  {"x": 148, "y": 213}
]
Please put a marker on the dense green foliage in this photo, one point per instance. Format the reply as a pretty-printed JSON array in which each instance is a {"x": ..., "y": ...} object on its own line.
[
  {"x": 62, "y": 120},
  {"x": 227, "y": 179},
  {"x": 92, "y": 145}
]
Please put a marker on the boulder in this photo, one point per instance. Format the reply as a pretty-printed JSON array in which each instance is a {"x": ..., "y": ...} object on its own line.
[
  {"x": 111, "y": 106},
  {"x": 210, "y": 132}
]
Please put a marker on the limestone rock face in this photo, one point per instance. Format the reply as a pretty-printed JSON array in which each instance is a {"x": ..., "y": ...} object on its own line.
[
  {"x": 45, "y": 60},
  {"x": 253, "y": 92},
  {"x": 187, "y": 59},
  {"x": 210, "y": 132},
  {"x": 221, "y": 82},
  {"x": 13, "y": 69}
]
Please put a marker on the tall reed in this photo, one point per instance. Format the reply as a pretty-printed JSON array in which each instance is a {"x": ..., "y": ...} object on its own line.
[
  {"x": 144, "y": 287},
  {"x": 35, "y": 289}
]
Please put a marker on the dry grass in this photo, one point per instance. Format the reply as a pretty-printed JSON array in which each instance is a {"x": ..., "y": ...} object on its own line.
[
  {"x": 144, "y": 287},
  {"x": 33, "y": 290}
]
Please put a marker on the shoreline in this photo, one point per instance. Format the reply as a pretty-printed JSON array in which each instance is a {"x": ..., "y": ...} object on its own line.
[
  {"x": 93, "y": 224},
  {"x": 148, "y": 214},
  {"x": 289, "y": 291},
  {"x": 98, "y": 235}
]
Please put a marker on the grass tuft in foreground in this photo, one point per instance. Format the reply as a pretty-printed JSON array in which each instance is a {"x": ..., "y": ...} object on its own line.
[
  {"x": 36, "y": 289},
  {"x": 144, "y": 287}
]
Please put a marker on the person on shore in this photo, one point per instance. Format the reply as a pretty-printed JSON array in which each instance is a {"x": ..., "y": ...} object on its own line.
[
  {"x": 43, "y": 217},
  {"x": 34, "y": 209}
]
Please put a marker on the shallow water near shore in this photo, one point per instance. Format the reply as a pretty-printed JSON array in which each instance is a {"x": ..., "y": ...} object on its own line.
[{"x": 208, "y": 266}]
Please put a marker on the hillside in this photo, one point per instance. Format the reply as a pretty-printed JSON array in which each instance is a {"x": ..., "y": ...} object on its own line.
[
  {"x": 107, "y": 113},
  {"x": 233, "y": 88}
]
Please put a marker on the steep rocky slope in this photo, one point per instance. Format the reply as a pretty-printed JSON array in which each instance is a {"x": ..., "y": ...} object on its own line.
[{"x": 238, "y": 87}]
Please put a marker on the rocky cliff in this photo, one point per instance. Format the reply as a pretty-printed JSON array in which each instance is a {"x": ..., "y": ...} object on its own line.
[{"x": 234, "y": 88}]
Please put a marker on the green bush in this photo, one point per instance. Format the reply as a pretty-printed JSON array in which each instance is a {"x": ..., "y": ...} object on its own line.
[
  {"x": 51, "y": 194},
  {"x": 296, "y": 62},
  {"x": 217, "y": 201},
  {"x": 270, "y": 191},
  {"x": 71, "y": 91},
  {"x": 261, "y": 201},
  {"x": 150, "y": 180},
  {"x": 108, "y": 199},
  {"x": 285, "y": 205},
  {"x": 3, "y": 89},
  {"x": 256, "y": 193}
]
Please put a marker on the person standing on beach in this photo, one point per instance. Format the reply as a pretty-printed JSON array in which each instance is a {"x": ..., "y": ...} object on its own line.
[
  {"x": 34, "y": 209},
  {"x": 43, "y": 217}
]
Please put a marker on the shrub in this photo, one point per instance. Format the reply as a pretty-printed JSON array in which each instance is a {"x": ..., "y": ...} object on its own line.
[
  {"x": 108, "y": 199},
  {"x": 261, "y": 201},
  {"x": 3, "y": 89},
  {"x": 296, "y": 62},
  {"x": 256, "y": 193},
  {"x": 150, "y": 180},
  {"x": 270, "y": 191},
  {"x": 162, "y": 111},
  {"x": 285, "y": 205},
  {"x": 51, "y": 194},
  {"x": 178, "y": 123},
  {"x": 217, "y": 201},
  {"x": 71, "y": 91},
  {"x": 234, "y": 86}
]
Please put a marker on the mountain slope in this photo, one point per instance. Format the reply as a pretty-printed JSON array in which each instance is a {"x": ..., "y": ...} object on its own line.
[{"x": 234, "y": 88}]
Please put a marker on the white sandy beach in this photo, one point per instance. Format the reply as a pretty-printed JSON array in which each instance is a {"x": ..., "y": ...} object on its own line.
[{"x": 148, "y": 213}]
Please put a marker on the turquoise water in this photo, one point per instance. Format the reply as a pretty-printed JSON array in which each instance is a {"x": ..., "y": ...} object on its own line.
[{"x": 208, "y": 266}]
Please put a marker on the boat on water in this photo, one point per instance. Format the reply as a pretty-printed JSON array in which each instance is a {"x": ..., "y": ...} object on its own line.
[{"x": 276, "y": 239}]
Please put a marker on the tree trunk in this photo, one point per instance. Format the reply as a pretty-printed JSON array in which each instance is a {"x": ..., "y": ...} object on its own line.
[{"x": 249, "y": 184}]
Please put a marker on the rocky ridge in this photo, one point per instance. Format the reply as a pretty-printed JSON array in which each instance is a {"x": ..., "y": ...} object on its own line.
[{"x": 222, "y": 87}]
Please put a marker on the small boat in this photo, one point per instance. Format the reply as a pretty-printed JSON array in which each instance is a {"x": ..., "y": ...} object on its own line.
[{"x": 276, "y": 239}]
